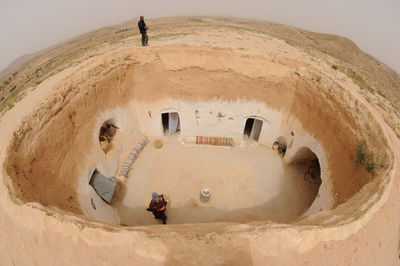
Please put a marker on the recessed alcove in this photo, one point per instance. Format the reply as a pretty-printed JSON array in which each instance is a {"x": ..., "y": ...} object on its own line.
[{"x": 106, "y": 134}]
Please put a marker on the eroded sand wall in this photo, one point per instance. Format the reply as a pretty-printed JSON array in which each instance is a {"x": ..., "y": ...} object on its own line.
[{"x": 50, "y": 152}]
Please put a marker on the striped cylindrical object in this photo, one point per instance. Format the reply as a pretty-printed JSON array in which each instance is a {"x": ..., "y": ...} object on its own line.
[
  {"x": 127, "y": 165},
  {"x": 218, "y": 141}
]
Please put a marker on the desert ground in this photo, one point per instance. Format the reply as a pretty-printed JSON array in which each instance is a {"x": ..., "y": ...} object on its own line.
[{"x": 340, "y": 103}]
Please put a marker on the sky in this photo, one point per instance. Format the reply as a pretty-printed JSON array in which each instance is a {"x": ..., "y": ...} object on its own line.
[{"x": 27, "y": 26}]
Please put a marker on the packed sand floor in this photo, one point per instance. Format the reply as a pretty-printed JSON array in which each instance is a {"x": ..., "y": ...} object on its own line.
[{"x": 249, "y": 183}]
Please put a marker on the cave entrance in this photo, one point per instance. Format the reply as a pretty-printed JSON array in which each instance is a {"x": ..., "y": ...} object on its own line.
[
  {"x": 170, "y": 123},
  {"x": 312, "y": 168},
  {"x": 252, "y": 129}
]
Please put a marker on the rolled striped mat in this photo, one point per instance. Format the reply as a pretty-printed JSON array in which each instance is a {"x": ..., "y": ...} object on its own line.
[
  {"x": 127, "y": 165},
  {"x": 218, "y": 141}
]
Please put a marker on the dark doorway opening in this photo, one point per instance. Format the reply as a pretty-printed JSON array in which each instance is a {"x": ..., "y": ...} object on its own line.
[
  {"x": 252, "y": 129},
  {"x": 170, "y": 123},
  {"x": 164, "y": 118},
  {"x": 312, "y": 168},
  {"x": 312, "y": 173},
  {"x": 248, "y": 127},
  {"x": 311, "y": 180}
]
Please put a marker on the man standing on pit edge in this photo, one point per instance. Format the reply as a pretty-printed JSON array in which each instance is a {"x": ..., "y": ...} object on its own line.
[{"x": 143, "y": 30}]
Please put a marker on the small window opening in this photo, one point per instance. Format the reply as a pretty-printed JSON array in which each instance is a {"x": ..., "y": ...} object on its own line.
[
  {"x": 170, "y": 123},
  {"x": 252, "y": 129},
  {"x": 106, "y": 134}
]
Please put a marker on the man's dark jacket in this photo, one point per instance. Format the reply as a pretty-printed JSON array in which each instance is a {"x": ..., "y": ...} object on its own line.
[{"x": 142, "y": 27}]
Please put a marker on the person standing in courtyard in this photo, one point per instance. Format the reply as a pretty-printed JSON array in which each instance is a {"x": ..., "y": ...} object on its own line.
[
  {"x": 143, "y": 30},
  {"x": 157, "y": 206}
]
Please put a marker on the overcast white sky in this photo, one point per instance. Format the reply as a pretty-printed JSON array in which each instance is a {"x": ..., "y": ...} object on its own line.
[{"x": 27, "y": 26}]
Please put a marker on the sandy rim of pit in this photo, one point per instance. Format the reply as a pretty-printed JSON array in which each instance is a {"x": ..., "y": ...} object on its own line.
[{"x": 381, "y": 187}]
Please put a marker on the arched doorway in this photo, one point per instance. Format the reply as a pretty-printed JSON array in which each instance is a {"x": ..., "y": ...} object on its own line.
[
  {"x": 170, "y": 123},
  {"x": 310, "y": 181},
  {"x": 252, "y": 129}
]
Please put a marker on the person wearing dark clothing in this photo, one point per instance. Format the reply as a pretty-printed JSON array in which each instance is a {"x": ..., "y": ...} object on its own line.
[
  {"x": 157, "y": 206},
  {"x": 143, "y": 30}
]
